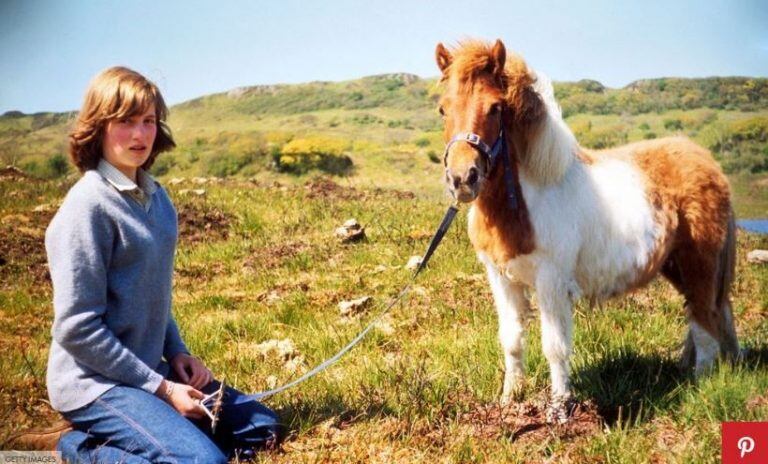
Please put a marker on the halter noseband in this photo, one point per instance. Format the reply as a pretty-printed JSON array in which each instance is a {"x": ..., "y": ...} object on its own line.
[{"x": 491, "y": 155}]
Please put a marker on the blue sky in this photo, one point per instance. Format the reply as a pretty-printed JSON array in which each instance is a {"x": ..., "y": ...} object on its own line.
[{"x": 50, "y": 50}]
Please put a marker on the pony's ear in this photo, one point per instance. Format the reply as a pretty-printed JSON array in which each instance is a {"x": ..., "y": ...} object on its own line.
[
  {"x": 443, "y": 57},
  {"x": 499, "y": 55}
]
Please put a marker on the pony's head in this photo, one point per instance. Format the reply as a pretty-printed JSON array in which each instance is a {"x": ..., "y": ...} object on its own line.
[{"x": 484, "y": 90}]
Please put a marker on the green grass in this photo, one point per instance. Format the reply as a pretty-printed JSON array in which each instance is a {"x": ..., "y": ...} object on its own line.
[{"x": 403, "y": 394}]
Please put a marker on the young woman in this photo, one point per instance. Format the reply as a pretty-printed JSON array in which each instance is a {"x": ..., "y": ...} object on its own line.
[{"x": 118, "y": 369}]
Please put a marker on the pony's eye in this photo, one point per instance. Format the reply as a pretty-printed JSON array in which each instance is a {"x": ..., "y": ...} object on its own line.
[
  {"x": 441, "y": 110},
  {"x": 494, "y": 109}
]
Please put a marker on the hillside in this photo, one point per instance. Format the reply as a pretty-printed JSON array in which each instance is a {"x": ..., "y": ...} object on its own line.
[{"x": 384, "y": 129}]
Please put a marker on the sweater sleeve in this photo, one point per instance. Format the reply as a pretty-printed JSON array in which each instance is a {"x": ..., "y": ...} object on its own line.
[
  {"x": 79, "y": 244},
  {"x": 173, "y": 342}
]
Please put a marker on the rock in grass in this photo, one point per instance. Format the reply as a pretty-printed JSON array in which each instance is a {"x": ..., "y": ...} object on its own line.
[
  {"x": 758, "y": 256},
  {"x": 197, "y": 192},
  {"x": 283, "y": 349},
  {"x": 43, "y": 208},
  {"x": 413, "y": 262},
  {"x": 353, "y": 307},
  {"x": 386, "y": 325},
  {"x": 295, "y": 365},
  {"x": 350, "y": 231}
]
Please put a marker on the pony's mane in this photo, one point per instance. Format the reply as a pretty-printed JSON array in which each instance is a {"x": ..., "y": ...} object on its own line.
[
  {"x": 472, "y": 58},
  {"x": 552, "y": 146}
]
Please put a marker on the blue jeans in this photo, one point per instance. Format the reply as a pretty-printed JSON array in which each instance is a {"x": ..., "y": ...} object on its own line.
[{"x": 129, "y": 425}]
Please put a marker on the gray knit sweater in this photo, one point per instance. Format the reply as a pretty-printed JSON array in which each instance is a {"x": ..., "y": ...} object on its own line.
[{"x": 111, "y": 263}]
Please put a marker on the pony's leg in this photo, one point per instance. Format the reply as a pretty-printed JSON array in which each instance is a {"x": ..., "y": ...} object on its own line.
[
  {"x": 513, "y": 309},
  {"x": 671, "y": 270},
  {"x": 698, "y": 281},
  {"x": 555, "y": 296},
  {"x": 705, "y": 269},
  {"x": 706, "y": 346}
]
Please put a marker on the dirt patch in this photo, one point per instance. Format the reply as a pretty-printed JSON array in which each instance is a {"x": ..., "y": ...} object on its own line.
[
  {"x": 273, "y": 256},
  {"x": 399, "y": 194},
  {"x": 12, "y": 173},
  {"x": 22, "y": 248},
  {"x": 199, "y": 222},
  {"x": 759, "y": 401},
  {"x": 201, "y": 270},
  {"x": 324, "y": 187},
  {"x": 527, "y": 422}
]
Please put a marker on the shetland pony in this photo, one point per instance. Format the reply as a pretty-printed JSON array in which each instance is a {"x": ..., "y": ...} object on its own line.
[{"x": 590, "y": 224}]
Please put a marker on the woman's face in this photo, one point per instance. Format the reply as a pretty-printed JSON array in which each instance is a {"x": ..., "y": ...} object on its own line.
[{"x": 128, "y": 142}]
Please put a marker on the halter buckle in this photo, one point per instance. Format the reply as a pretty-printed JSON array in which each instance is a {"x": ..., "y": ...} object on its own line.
[{"x": 472, "y": 138}]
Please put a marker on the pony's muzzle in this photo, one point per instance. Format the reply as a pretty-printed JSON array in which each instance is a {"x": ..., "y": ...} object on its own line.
[{"x": 464, "y": 186}]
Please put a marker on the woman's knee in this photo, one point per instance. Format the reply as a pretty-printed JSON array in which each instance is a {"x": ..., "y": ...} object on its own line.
[{"x": 145, "y": 426}]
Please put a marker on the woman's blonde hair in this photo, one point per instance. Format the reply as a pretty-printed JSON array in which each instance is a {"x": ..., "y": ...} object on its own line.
[{"x": 116, "y": 93}]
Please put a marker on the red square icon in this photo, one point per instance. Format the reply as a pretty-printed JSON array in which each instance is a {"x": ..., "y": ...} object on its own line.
[{"x": 745, "y": 442}]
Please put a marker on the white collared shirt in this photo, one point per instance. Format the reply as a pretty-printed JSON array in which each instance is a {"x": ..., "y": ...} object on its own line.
[{"x": 141, "y": 193}]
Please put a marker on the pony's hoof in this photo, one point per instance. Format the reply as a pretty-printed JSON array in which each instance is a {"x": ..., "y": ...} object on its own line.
[
  {"x": 559, "y": 411},
  {"x": 513, "y": 394}
]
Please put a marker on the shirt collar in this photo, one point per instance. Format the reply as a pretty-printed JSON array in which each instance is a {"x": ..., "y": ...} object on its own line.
[{"x": 122, "y": 183}]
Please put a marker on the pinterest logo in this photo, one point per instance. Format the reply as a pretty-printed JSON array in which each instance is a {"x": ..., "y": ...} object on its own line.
[
  {"x": 746, "y": 445},
  {"x": 744, "y": 442}
]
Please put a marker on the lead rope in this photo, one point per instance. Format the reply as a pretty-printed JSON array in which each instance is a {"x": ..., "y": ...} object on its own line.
[{"x": 439, "y": 234}]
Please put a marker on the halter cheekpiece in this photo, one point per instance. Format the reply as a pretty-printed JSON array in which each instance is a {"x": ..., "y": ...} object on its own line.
[{"x": 491, "y": 154}]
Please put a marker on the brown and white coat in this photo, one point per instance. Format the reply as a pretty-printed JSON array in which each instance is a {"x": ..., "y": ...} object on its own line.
[{"x": 591, "y": 224}]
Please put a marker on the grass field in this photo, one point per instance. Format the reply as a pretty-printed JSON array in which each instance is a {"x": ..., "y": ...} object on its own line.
[{"x": 257, "y": 261}]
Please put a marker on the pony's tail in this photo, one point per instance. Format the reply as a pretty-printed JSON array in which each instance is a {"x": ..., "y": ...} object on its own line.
[{"x": 726, "y": 265}]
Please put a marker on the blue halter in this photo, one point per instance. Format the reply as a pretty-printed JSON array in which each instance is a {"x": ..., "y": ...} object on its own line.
[{"x": 491, "y": 155}]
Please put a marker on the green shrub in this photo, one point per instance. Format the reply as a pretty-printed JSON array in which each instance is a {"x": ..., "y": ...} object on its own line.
[
  {"x": 673, "y": 124},
  {"x": 163, "y": 164},
  {"x": 363, "y": 119},
  {"x": 237, "y": 150},
  {"x": 751, "y": 162},
  {"x": 32, "y": 168},
  {"x": 422, "y": 142},
  {"x": 752, "y": 129},
  {"x": 598, "y": 137},
  {"x": 46, "y": 168},
  {"x": 57, "y": 165},
  {"x": 323, "y": 153},
  {"x": 404, "y": 123},
  {"x": 226, "y": 164}
]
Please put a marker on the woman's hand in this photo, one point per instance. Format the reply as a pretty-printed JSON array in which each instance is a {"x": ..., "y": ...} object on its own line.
[
  {"x": 191, "y": 370},
  {"x": 183, "y": 398}
]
